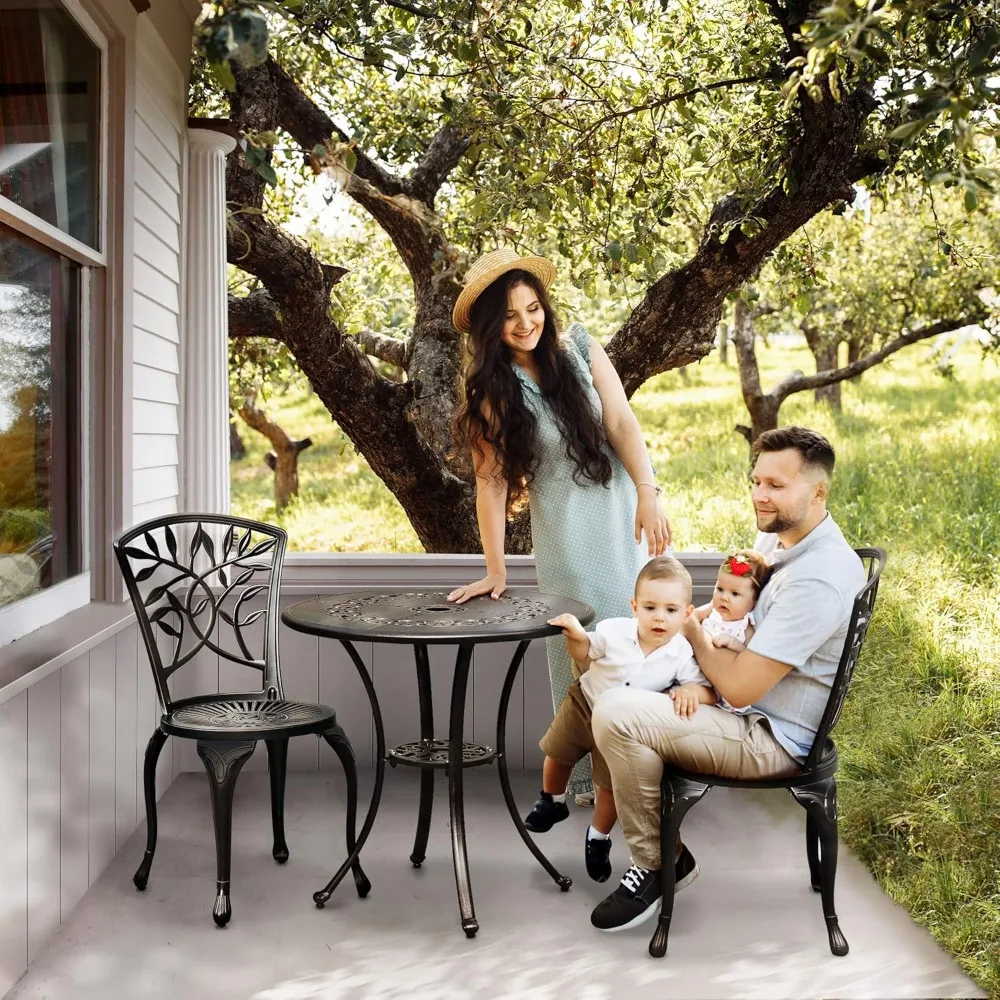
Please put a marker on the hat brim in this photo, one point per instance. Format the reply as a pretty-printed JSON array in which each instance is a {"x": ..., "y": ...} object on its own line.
[{"x": 541, "y": 267}]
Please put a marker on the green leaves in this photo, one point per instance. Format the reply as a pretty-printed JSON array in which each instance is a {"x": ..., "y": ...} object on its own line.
[
  {"x": 240, "y": 34},
  {"x": 258, "y": 157}
]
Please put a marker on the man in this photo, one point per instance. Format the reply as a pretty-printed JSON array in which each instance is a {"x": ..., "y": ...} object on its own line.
[{"x": 784, "y": 674}]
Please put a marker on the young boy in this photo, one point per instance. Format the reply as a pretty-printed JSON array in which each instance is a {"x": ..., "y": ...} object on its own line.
[{"x": 645, "y": 651}]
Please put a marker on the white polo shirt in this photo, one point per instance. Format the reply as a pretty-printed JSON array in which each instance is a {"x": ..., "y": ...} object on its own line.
[{"x": 619, "y": 661}]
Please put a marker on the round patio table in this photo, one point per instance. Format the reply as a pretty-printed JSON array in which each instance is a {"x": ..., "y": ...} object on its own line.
[{"x": 421, "y": 618}]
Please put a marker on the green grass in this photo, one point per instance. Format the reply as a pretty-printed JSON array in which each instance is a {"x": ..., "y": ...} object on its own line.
[{"x": 918, "y": 472}]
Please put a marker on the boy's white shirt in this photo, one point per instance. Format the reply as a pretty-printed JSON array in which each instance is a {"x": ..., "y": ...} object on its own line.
[{"x": 618, "y": 661}]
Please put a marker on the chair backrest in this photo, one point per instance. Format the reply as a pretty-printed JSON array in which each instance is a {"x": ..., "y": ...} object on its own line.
[
  {"x": 861, "y": 616},
  {"x": 193, "y": 580}
]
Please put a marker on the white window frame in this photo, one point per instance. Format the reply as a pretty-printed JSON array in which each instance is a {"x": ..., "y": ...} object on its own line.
[{"x": 45, "y": 606}]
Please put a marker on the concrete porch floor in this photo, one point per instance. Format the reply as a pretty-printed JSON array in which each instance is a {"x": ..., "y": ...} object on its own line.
[{"x": 749, "y": 926}]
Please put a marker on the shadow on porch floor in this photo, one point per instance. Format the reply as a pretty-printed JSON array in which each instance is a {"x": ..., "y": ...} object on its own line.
[{"x": 749, "y": 926}]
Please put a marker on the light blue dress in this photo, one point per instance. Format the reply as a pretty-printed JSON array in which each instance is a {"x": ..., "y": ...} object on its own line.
[{"x": 582, "y": 533}]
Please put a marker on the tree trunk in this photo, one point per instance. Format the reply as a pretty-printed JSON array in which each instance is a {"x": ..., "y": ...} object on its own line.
[
  {"x": 284, "y": 460},
  {"x": 825, "y": 351},
  {"x": 724, "y": 343},
  {"x": 854, "y": 353},
  {"x": 763, "y": 407},
  {"x": 237, "y": 449}
]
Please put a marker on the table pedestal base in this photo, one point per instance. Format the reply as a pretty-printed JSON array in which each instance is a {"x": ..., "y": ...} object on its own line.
[{"x": 452, "y": 755}]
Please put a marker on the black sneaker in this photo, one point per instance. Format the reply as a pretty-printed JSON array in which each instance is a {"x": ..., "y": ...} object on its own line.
[
  {"x": 634, "y": 901},
  {"x": 685, "y": 869},
  {"x": 631, "y": 903},
  {"x": 597, "y": 854},
  {"x": 545, "y": 814}
]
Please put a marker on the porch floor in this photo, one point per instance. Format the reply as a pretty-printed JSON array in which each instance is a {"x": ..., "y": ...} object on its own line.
[{"x": 749, "y": 926}]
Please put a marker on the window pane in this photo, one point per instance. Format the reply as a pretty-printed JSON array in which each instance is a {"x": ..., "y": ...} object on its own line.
[
  {"x": 40, "y": 433},
  {"x": 50, "y": 73}
]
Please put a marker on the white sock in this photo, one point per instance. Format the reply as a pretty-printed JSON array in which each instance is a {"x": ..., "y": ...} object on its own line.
[
  {"x": 593, "y": 834},
  {"x": 559, "y": 798}
]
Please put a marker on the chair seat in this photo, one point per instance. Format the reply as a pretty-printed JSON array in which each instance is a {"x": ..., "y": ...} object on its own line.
[
  {"x": 826, "y": 766},
  {"x": 247, "y": 719}
]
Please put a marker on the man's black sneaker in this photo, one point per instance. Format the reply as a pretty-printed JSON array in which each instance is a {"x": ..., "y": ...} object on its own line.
[
  {"x": 597, "y": 854},
  {"x": 545, "y": 814},
  {"x": 631, "y": 903},
  {"x": 685, "y": 869},
  {"x": 636, "y": 898}
]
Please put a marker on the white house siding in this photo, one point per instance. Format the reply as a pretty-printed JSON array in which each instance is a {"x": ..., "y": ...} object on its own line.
[
  {"x": 71, "y": 786},
  {"x": 160, "y": 130}
]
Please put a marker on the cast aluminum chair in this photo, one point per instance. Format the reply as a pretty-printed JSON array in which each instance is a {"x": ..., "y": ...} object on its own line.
[
  {"x": 194, "y": 580},
  {"x": 814, "y": 787}
]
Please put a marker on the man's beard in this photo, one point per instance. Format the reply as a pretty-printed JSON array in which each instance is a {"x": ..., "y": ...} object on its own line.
[{"x": 779, "y": 522}]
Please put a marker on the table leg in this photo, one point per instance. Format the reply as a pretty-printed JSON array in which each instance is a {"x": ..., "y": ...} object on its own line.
[
  {"x": 563, "y": 881},
  {"x": 455, "y": 799},
  {"x": 320, "y": 898},
  {"x": 427, "y": 774}
]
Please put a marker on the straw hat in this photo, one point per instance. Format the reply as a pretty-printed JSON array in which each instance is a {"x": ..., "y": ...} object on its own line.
[{"x": 486, "y": 270}]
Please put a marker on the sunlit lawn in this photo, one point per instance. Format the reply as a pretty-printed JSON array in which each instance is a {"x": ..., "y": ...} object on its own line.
[{"x": 918, "y": 472}]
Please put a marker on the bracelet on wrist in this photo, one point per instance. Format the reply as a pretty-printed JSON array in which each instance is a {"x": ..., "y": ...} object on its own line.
[{"x": 656, "y": 487}]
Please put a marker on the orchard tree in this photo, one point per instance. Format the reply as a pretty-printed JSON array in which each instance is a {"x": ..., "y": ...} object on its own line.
[
  {"x": 670, "y": 147},
  {"x": 878, "y": 278},
  {"x": 257, "y": 367}
]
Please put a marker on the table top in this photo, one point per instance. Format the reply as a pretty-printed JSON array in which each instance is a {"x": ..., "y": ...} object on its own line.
[{"x": 426, "y": 616}]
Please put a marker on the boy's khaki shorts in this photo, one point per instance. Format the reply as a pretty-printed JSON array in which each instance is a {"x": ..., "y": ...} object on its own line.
[{"x": 569, "y": 738}]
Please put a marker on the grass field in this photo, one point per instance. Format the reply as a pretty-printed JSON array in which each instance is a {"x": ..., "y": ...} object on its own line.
[{"x": 918, "y": 472}]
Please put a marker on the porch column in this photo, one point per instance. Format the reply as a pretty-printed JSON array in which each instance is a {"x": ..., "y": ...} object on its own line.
[{"x": 205, "y": 368}]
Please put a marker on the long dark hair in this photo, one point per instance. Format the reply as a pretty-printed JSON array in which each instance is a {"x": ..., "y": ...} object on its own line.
[{"x": 492, "y": 387}]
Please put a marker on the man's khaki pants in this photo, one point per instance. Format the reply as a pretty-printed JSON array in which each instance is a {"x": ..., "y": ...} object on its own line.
[{"x": 636, "y": 731}]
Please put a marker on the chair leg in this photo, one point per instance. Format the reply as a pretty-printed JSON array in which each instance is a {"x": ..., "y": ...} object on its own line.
[
  {"x": 223, "y": 760},
  {"x": 153, "y": 748},
  {"x": 341, "y": 745},
  {"x": 812, "y": 853},
  {"x": 677, "y": 795},
  {"x": 277, "y": 763},
  {"x": 820, "y": 803}
]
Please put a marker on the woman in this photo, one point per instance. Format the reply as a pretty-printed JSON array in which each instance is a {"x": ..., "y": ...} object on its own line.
[{"x": 548, "y": 421}]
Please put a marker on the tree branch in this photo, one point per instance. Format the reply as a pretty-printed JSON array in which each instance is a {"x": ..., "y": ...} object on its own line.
[
  {"x": 310, "y": 126},
  {"x": 675, "y": 323},
  {"x": 797, "y": 382},
  {"x": 260, "y": 422},
  {"x": 666, "y": 99},
  {"x": 383, "y": 347},
  {"x": 427, "y": 15},
  {"x": 254, "y": 315},
  {"x": 442, "y": 155}
]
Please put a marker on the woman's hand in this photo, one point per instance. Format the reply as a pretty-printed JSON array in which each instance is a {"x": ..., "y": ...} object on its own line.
[
  {"x": 493, "y": 584},
  {"x": 651, "y": 521}
]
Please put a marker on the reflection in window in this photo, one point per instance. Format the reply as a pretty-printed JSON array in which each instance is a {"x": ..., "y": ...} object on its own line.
[
  {"x": 49, "y": 116},
  {"x": 40, "y": 510}
]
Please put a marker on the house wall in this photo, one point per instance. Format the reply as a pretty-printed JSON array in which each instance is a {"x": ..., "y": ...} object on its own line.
[
  {"x": 160, "y": 154},
  {"x": 71, "y": 748}
]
